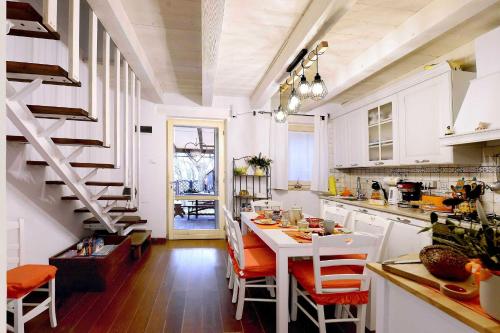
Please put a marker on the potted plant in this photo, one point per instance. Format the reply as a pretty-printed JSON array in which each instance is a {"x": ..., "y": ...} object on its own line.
[
  {"x": 260, "y": 164},
  {"x": 482, "y": 245}
]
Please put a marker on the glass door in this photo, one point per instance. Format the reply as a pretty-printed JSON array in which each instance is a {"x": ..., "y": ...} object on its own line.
[
  {"x": 380, "y": 134},
  {"x": 195, "y": 172}
]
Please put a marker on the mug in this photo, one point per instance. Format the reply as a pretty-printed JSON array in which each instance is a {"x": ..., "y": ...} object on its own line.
[
  {"x": 303, "y": 225},
  {"x": 329, "y": 226}
]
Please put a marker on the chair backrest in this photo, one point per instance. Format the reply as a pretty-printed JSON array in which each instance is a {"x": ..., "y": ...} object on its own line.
[
  {"x": 266, "y": 204},
  {"x": 15, "y": 243},
  {"x": 227, "y": 225},
  {"x": 236, "y": 241},
  {"x": 338, "y": 214},
  {"x": 374, "y": 225},
  {"x": 355, "y": 243}
]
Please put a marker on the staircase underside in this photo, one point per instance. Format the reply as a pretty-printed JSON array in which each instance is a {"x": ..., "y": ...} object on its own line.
[
  {"x": 58, "y": 112},
  {"x": 113, "y": 210},
  {"x": 76, "y": 164},
  {"x": 102, "y": 197},
  {"x": 50, "y": 74},
  {"x": 89, "y": 183},
  {"x": 27, "y": 22},
  {"x": 60, "y": 141}
]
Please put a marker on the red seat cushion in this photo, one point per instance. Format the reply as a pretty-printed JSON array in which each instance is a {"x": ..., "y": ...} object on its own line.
[
  {"x": 304, "y": 273},
  {"x": 251, "y": 241},
  {"x": 24, "y": 279},
  {"x": 259, "y": 262}
]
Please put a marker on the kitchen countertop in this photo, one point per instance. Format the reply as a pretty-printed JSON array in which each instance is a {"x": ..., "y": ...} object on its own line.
[
  {"x": 456, "y": 310},
  {"x": 414, "y": 213}
]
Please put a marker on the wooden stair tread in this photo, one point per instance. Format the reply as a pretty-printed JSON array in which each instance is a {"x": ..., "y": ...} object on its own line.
[
  {"x": 57, "y": 112},
  {"x": 130, "y": 219},
  {"x": 27, "y": 72},
  {"x": 102, "y": 197},
  {"x": 76, "y": 164},
  {"x": 89, "y": 183},
  {"x": 60, "y": 141},
  {"x": 113, "y": 210},
  {"x": 140, "y": 237},
  {"x": 27, "y": 22}
]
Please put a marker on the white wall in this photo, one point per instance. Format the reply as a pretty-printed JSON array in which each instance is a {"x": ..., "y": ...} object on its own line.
[{"x": 3, "y": 249}]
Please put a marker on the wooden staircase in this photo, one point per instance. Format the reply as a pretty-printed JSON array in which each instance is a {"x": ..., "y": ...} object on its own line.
[{"x": 25, "y": 21}]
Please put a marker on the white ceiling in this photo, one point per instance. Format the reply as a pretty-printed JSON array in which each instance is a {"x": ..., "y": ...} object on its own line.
[{"x": 254, "y": 32}]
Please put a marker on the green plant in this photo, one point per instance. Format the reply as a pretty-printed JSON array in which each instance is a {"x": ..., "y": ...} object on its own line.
[
  {"x": 482, "y": 242},
  {"x": 259, "y": 161}
]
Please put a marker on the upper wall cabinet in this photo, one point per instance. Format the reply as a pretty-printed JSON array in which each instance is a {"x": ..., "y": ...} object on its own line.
[
  {"x": 425, "y": 110},
  {"x": 382, "y": 133},
  {"x": 349, "y": 145},
  {"x": 404, "y": 124}
]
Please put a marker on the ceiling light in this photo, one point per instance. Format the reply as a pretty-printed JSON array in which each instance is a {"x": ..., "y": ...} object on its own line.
[
  {"x": 280, "y": 115},
  {"x": 318, "y": 86},
  {"x": 304, "y": 88},
  {"x": 293, "y": 100}
]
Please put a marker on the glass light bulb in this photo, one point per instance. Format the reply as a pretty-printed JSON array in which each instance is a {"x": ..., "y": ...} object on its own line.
[
  {"x": 280, "y": 115},
  {"x": 293, "y": 102},
  {"x": 318, "y": 89},
  {"x": 304, "y": 88}
]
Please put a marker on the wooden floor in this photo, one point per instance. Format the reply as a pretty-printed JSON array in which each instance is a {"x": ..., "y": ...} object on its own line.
[{"x": 179, "y": 286}]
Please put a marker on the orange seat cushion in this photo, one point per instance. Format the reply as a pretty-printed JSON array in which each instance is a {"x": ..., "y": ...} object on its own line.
[
  {"x": 251, "y": 241},
  {"x": 259, "y": 262},
  {"x": 24, "y": 279},
  {"x": 304, "y": 273}
]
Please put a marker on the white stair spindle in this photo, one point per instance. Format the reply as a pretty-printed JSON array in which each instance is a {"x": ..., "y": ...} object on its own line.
[
  {"x": 92, "y": 64},
  {"x": 74, "y": 40},
  {"x": 118, "y": 152},
  {"x": 126, "y": 138},
  {"x": 132, "y": 136},
  {"x": 138, "y": 138},
  {"x": 50, "y": 14},
  {"x": 106, "y": 59}
]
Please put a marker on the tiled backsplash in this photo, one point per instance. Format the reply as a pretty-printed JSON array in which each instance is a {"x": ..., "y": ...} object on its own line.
[{"x": 443, "y": 175}]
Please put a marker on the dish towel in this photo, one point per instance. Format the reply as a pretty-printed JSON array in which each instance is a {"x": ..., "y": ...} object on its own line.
[{"x": 319, "y": 181}]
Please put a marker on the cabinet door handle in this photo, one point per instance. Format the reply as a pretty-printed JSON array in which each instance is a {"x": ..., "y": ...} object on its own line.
[
  {"x": 398, "y": 219},
  {"x": 422, "y": 161},
  {"x": 379, "y": 163},
  {"x": 339, "y": 165},
  {"x": 339, "y": 205},
  {"x": 364, "y": 211},
  {"x": 355, "y": 164}
]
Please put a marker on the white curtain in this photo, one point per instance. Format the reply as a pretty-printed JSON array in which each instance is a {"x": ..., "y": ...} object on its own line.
[
  {"x": 278, "y": 150},
  {"x": 319, "y": 181}
]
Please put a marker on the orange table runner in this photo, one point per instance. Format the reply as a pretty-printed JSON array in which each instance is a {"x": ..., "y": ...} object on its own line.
[
  {"x": 295, "y": 234},
  {"x": 472, "y": 304}
]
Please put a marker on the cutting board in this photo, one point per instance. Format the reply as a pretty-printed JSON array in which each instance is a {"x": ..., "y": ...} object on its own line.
[{"x": 417, "y": 272}]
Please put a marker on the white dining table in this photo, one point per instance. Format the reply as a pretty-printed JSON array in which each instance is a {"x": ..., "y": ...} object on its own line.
[{"x": 284, "y": 247}]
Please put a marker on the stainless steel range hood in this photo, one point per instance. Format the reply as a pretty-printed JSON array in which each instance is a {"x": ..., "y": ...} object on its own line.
[{"x": 482, "y": 101}]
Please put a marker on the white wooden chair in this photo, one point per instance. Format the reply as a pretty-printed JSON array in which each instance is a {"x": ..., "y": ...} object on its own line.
[
  {"x": 338, "y": 214},
  {"x": 335, "y": 281},
  {"x": 253, "y": 266},
  {"x": 24, "y": 279},
  {"x": 374, "y": 225},
  {"x": 266, "y": 204}
]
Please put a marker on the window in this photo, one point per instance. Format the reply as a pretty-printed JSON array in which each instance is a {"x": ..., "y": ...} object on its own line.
[{"x": 300, "y": 156}]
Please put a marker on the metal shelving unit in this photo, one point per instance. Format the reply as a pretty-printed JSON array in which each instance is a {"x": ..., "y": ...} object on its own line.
[{"x": 253, "y": 184}]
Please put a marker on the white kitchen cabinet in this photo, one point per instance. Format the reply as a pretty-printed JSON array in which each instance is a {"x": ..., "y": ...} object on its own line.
[
  {"x": 349, "y": 135},
  {"x": 382, "y": 141}
]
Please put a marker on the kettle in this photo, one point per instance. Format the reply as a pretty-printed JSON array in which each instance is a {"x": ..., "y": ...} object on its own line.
[{"x": 394, "y": 195}]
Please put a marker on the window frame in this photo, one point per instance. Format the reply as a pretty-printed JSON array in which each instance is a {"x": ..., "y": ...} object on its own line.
[{"x": 307, "y": 128}]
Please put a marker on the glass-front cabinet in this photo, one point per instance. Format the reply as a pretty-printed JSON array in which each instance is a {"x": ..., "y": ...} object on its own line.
[{"x": 381, "y": 133}]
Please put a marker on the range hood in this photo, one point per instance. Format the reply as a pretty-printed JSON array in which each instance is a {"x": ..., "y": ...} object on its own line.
[{"x": 482, "y": 101}]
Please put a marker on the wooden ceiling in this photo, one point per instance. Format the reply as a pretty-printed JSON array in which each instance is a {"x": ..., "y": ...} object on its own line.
[{"x": 255, "y": 33}]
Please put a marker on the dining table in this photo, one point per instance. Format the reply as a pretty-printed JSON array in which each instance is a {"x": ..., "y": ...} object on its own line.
[{"x": 285, "y": 247}]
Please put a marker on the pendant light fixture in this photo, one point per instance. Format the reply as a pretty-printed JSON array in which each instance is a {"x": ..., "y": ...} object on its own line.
[
  {"x": 304, "y": 88},
  {"x": 280, "y": 115},
  {"x": 294, "y": 99},
  {"x": 318, "y": 86}
]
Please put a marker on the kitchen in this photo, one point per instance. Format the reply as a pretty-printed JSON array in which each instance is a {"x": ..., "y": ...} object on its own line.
[{"x": 251, "y": 166}]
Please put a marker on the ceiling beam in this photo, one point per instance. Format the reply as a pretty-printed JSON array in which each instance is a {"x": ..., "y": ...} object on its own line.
[
  {"x": 430, "y": 22},
  {"x": 212, "y": 15},
  {"x": 117, "y": 23},
  {"x": 316, "y": 21}
]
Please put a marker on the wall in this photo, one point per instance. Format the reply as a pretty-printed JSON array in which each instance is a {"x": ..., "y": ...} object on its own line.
[{"x": 3, "y": 249}]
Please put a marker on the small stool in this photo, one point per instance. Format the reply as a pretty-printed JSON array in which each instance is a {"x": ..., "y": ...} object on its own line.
[{"x": 23, "y": 280}]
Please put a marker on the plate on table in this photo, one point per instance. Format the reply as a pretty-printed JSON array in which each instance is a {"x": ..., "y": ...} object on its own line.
[
  {"x": 265, "y": 221},
  {"x": 337, "y": 231},
  {"x": 305, "y": 235},
  {"x": 288, "y": 226}
]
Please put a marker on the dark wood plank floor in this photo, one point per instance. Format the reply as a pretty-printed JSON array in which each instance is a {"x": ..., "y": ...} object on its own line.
[{"x": 179, "y": 286}]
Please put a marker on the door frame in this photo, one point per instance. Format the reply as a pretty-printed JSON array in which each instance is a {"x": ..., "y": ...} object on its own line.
[{"x": 221, "y": 195}]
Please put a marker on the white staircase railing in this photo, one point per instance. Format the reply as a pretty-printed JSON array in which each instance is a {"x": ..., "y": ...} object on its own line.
[{"x": 28, "y": 125}]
